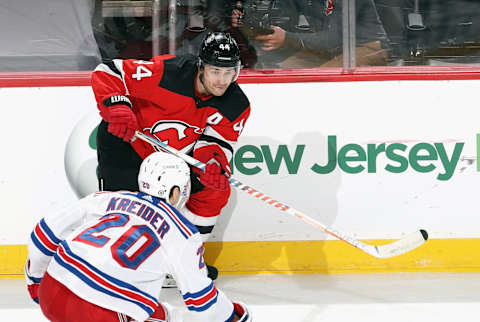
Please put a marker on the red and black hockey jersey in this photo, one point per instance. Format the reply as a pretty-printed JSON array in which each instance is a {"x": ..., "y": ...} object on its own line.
[{"x": 164, "y": 100}]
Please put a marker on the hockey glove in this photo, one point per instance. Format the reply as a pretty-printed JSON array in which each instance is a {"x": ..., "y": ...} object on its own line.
[
  {"x": 122, "y": 122},
  {"x": 241, "y": 312},
  {"x": 33, "y": 283},
  {"x": 217, "y": 166},
  {"x": 213, "y": 177}
]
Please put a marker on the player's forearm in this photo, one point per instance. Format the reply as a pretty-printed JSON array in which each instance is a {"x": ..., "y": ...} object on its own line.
[{"x": 108, "y": 85}]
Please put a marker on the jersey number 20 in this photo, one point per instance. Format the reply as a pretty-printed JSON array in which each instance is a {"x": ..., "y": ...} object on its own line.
[{"x": 131, "y": 249}]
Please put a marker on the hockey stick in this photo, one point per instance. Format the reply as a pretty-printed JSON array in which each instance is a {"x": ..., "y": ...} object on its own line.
[{"x": 393, "y": 249}]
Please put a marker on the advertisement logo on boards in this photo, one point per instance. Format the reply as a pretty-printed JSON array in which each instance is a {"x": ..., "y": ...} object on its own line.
[
  {"x": 354, "y": 158},
  {"x": 442, "y": 159}
]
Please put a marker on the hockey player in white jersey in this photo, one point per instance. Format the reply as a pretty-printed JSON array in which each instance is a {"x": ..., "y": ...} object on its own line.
[{"x": 105, "y": 257}]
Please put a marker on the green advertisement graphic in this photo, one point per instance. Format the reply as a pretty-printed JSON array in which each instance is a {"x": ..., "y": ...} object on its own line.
[
  {"x": 350, "y": 158},
  {"x": 353, "y": 158}
]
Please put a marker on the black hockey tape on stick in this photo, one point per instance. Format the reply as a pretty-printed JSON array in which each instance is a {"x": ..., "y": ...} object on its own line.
[{"x": 395, "y": 248}]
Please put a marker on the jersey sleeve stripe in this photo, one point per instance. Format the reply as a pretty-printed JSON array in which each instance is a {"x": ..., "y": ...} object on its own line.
[
  {"x": 182, "y": 230},
  {"x": 227, "y": 152},
  {"x": 42, "y": 242},
  {"x": 114, "y": 281},
  {"x": 110, "y": 69},
  {"x": 205, "y": 299},
  {"x": 43, "y": 238},
  {"x": 212, "y": 136},
  {"x": 49, "y": 233},
  {"x": 204, "y": 307},
  {"x": 30, "y": 277},
  {"x": 185, "y": 227},
  {"x": 103, "y": 282},
  {"x": 119, "y": 65},
  {"x": 211, "y": 139},
  {"x": 202, "y": 300},
  {"x": 114, "y": 68},
  {"x": 40, "y": 246},
  {"x": 199, "y": 293}
]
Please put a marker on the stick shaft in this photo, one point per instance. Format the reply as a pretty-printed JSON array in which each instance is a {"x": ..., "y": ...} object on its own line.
[{"x": 375, "y": 251}]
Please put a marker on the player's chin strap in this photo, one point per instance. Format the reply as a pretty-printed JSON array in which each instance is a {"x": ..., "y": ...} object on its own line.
[{"x": 392, "y": 249}]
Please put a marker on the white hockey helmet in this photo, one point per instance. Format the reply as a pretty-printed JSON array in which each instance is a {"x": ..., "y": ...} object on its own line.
[{"x": 160, "y": 172}]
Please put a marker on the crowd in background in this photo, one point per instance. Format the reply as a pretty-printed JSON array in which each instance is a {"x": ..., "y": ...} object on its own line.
[{"x": 270, "y": 33}]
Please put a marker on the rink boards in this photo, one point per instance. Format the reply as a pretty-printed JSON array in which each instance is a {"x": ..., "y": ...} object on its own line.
[
  {"x": 375, "y": 160},
  {"x": 329, "y": 257}
]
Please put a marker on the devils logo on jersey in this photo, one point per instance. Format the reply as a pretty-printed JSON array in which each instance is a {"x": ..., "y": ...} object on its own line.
[{"x": 177, "y": 134}]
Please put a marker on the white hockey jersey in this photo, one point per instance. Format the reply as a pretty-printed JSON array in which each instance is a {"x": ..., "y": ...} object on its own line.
[{"x": 113, "y": 249}]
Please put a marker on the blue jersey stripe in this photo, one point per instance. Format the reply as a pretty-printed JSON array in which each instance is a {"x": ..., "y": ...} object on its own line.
[
  {"x": 97, "y": 287},
  {"x": 182, "y": 231},
  {"x": 198, "y": 294},
  {"x": 190, "y": 228},
  {"x": 38, "y": 243},
  {"x": 193, "y": 229},
  {"x": 93, "y": 284},
  {"x": 203, "y": 307},
  {"x": 32, "y": 278},
  {"x": 48, "y": 232},
  {"x": 109, "y": 278}
]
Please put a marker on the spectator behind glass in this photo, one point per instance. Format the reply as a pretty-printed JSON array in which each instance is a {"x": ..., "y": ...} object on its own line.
[
  {"x": 126, "y": 30},
  {"x": 308, "y": 33},
  {"x": 431, "y": 32}
]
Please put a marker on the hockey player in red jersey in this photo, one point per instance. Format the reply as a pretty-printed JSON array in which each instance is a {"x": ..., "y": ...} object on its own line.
[
  {"x": 192, "y": 103},
  {"x": 105, "y": 257}
]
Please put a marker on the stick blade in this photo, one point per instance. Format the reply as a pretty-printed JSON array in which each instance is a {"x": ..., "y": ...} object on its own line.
[{"x": 402, "y": 246}]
